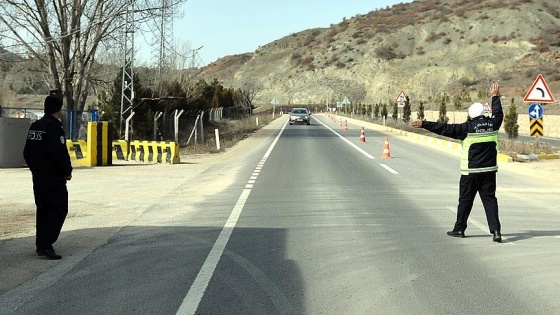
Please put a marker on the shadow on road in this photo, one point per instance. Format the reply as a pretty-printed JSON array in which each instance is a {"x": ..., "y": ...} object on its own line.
[{"x": 149, "y": 270}]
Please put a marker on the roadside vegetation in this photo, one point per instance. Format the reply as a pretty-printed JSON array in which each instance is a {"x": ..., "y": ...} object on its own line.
[
  {"x": 233, "y": 131},
  {"x": 511, "y": 146},
  {"x": 230, "y": 133}
]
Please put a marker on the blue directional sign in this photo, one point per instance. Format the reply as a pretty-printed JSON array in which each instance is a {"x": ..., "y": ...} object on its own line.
[{"x": 536, "y": 111}]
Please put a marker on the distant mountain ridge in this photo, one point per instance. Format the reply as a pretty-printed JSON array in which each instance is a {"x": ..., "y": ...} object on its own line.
[{"x": 425, "y": 48}]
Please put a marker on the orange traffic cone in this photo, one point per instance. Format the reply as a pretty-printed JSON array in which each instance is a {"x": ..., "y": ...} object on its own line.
[
  {"x": 346, "y": 125},
  {"x": 340, "y": 122},
  {"x": 386, "y": 153},
  {"x": 363, "y": 135}
]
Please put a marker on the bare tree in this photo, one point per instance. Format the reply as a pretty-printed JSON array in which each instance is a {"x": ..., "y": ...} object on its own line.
[
  {"x": 65, "y": 36},
  {"x": 7, "y": 96},
  {"x": 170, "y": 71},
  {"x": 246, "y": 94},
  {"x": 192, "y": 90},
  {"x": 434, "y": 84}
]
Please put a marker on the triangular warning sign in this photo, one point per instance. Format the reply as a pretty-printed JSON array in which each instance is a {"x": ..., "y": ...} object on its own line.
[
  {"x": 539, "y": 92},
  {"x": 401, "y": 98}
]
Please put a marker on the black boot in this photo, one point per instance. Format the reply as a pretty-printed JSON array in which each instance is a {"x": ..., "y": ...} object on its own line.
[
  {"x": 460, "y": 234},
  {"x": 49, "y": 253},
  {"x": 497, "y": 237}
]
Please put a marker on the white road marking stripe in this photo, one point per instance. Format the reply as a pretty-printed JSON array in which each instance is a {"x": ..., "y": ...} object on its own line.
[
  {"x": 347, "y": 141},
  {"x": 388, "y": 168},
  {"x": 196, "y": 291}
]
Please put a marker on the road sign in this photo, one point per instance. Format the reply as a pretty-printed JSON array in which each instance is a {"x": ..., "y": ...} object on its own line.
[
  {"x": 345, "y": 101},
  {"x": 539, "y": 92},
  {"x": 536, "y": 111},
  {"x": 401, "y": 98},
  {"x": 274, "y": 101},
  {"x": 537, "y": 127}
]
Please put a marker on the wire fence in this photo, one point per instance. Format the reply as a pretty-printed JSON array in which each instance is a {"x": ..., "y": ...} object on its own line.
[{"x": 183, "y": 127}]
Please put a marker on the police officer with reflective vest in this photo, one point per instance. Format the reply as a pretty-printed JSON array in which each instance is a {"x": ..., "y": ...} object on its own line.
[
  {"x": 479, "y": 139},
  {"x": 46, "y": 155}
]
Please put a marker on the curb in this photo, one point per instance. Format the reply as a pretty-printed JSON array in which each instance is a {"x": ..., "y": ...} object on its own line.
[
  {"x": 446, "y": 144},
  {"x": 548, "y": 156}
]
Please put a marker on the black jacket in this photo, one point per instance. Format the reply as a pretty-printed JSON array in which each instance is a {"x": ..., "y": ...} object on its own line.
[
  {"x": 475, "y": 125},
  {"x": 45, "y": 150},
  {"x": 479, "y": 156}
]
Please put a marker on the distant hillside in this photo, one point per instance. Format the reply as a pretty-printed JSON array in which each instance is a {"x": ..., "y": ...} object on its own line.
[{"x": 425, "y": 48}]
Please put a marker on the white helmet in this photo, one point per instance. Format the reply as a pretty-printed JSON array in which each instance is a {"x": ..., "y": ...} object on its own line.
[{"x": 475, "y": 110}]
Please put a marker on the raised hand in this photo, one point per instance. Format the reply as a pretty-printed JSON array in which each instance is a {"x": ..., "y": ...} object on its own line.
[{"x": 495, "y": 89}]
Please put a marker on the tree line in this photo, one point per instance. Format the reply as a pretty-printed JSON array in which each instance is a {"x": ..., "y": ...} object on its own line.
[
  {"x": 182, "y": 94},
  {"x": 381, "y": 110}
]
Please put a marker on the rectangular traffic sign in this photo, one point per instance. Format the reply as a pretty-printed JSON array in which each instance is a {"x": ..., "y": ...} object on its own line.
[{"x": 537, "y": 127}]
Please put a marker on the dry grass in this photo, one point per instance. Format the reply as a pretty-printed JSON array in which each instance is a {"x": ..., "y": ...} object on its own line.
[
  {"x": 514, "y": 147},
  {"x": 231, "y": 132}
]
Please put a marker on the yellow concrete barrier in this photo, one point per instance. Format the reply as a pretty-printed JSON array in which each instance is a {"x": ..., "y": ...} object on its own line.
[
  {"x": 154, "y": 152},
  {"x": 120, "y": 150},
  {"x": 548, "y": 156},
  {"x": 96, "y": 151},
  {"x": 136, "y": 152},
  {"x": 78, "y": 152},
  {"x": 99, "y": 144},
  {"x": 77, "y": 149}
]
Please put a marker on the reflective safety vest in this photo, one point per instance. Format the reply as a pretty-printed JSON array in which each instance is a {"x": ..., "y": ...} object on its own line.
[{"x": 479, "y": 153}]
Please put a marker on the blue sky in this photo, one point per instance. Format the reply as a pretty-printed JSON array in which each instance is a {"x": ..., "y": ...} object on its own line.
[{"x": 229, "y": 27}]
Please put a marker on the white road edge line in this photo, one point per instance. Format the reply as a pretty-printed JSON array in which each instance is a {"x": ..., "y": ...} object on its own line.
[
  {"x": 200, "y": 283},
  {"x": 347, "y": 141}
]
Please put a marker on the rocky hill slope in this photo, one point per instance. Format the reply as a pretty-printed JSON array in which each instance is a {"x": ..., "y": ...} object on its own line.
[{"x": 425, "y": 48}]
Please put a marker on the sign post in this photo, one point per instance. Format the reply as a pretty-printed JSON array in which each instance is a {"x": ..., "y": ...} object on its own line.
[
  {"x": 536, "y": 113},
  {"x": 274, "y": 102},
  {"x": 538, "y": 93},
  {"x": 345, "y": 102},
  {"x": 401, "y": 99}
]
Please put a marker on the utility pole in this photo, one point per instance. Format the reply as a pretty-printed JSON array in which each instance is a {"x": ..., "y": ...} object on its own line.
[
  {"x": 163, "y": 41},
  {"x": 127, "y": 91},
  {"x": 194, "y": 55}
]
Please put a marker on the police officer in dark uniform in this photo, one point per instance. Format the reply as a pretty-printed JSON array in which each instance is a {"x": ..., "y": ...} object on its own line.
[
  {"x": 46, "y": 155},
  {"x": 479, "y": 139}
]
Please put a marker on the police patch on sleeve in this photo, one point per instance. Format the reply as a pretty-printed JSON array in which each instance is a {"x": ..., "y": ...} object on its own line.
[{"x": 62, "y": 140}]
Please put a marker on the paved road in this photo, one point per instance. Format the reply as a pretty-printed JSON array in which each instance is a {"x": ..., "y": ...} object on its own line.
[{"x": 314, "y": 222}]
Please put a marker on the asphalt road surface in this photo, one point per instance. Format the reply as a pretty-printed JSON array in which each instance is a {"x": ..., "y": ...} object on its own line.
[{"x": 316, "y": 222}]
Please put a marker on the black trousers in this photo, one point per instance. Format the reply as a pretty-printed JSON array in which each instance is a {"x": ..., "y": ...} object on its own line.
[
  {"x": 485, "y": 185},
  {"x": 51, "y": 199}
]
